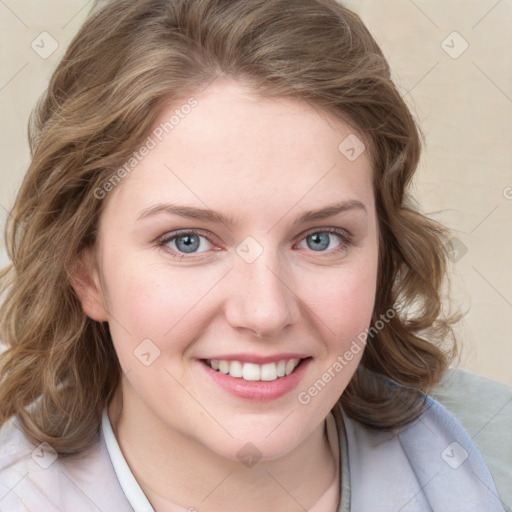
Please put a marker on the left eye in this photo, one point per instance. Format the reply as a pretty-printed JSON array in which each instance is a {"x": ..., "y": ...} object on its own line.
[{"x": 320, "y": 240}]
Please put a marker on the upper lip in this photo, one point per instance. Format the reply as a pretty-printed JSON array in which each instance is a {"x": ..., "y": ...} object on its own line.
[{"x": 259, "y": 359}]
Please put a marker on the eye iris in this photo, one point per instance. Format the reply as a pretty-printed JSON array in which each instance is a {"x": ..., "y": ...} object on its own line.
[
  {"x": 319, "y": 243},
  {"x": 190, "y": 244}
]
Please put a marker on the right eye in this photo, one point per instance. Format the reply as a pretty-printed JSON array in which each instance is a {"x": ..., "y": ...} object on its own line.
[{"x": 183, "y": 243}]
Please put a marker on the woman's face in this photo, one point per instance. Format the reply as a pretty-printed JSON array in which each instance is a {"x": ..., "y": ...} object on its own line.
[{"x": 288, "y": 274}]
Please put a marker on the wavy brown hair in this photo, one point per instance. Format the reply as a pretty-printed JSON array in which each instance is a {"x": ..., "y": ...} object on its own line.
[{"x": 127, "y": 61}]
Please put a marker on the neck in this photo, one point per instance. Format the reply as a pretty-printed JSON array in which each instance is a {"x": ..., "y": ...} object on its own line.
[{"x": 194, "y": 476}]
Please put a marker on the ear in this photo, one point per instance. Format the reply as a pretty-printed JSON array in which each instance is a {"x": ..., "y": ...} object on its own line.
[{"x": 85, "y": 280}]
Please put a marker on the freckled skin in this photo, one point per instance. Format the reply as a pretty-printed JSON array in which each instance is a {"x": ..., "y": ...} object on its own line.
[{"x": 263, "y": 162}]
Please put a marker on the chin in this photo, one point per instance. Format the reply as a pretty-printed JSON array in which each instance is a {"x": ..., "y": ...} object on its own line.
[{"x": 257, "y": 445}]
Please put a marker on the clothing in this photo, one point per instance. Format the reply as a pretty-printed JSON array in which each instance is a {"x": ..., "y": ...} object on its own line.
[
  {"x": 431, "y": 464},
  {"x": 484, "y": 407}
]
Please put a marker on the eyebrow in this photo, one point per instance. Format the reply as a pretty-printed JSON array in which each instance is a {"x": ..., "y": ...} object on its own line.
[{"x": 207, "y": 215}]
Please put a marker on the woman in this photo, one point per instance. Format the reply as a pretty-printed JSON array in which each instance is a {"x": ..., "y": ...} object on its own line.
[{"x": 221, "y": 297}]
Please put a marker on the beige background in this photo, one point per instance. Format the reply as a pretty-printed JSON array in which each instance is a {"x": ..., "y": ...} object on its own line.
[{"x": 462, "y": 100}]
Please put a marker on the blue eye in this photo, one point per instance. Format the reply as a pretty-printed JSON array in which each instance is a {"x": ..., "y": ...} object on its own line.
[
  {"x": 185, "y": 242},
  {"x": 320, "y": 240},
  {"x": 188, "y": 243}
]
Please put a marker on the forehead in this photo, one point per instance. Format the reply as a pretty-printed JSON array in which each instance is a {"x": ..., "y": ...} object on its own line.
[{"x": 235, "y": 147}]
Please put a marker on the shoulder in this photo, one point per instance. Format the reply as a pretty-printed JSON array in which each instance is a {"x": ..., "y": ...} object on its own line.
[
  {"x": 34, "y": 477},
  {"x": 484, "y": 408},
  {"x": 435, "y": 465},
  {"x": 16, "y": 462},
  {"x": 19, "y": 460}
]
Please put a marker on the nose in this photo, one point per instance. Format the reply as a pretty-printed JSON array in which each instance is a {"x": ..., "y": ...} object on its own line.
[{"x": 262, "y": 300}]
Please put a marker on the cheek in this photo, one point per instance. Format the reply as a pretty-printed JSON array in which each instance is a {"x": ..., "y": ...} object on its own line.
[
  {"x": 155, "y": 302},
  {"x": 344, "y": 300},
  {"x": 343, "y": 309}
]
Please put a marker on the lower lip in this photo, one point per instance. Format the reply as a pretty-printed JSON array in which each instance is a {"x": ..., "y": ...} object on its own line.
[{"x": 257, "y": 390}]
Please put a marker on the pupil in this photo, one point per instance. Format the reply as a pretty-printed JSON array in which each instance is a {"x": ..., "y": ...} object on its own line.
[
  {"x": 188, "y": 243},
  {"x": 318, "y": 243}
]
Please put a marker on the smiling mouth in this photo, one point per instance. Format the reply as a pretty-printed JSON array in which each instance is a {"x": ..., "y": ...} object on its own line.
[{"x": 254, "y": 372}]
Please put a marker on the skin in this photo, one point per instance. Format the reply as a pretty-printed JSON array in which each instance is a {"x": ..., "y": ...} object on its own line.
[{"x": 263, "y": 162}]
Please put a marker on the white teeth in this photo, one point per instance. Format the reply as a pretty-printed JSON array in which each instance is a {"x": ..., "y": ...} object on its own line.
[
  {"x": 235, "y": 369},
  {"x": 268, "y": 371},
  {"x": 290, "y": 366},
  {"x": 224, "y": 367},
  {"x": 251, "y": 371},
  {"x": 254, "y": 372}
]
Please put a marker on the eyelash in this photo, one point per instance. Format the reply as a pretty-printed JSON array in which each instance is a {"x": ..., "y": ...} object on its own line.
[{"x": 345, "y": 237}]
